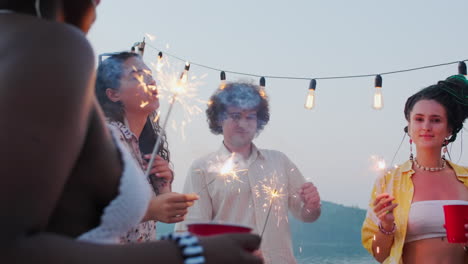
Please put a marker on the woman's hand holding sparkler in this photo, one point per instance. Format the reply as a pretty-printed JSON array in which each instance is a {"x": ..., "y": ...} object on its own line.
[
  {"x": 383, "y": 209},
  {"x": 169, "y": 207},
  {"x": 161, "y": 169},
  {"x": 383, "y": 239}
]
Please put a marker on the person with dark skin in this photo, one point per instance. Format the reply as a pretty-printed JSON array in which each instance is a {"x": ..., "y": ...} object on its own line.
[{"x": 60, "y": 167}]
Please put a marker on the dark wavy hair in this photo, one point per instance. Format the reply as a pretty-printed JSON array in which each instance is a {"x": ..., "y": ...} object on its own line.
[
  {"x": 109, "y": 74},
  {"x": 237, "y": 94},
  {"x": 452, "y": 94}
]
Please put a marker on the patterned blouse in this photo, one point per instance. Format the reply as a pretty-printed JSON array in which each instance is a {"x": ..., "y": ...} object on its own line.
[{"x": 145, "y": 231}]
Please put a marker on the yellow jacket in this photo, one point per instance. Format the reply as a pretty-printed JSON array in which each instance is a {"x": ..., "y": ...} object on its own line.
[{"x": 399, "y": 184}]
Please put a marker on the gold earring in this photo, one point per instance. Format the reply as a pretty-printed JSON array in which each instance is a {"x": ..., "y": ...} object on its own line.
[
  {"x": 444, "y": 149},
  {"x": 411, "y": 149}
]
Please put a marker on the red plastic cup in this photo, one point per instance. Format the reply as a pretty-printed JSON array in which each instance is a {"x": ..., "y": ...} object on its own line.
[
  {"x": 456, "y": 216},
  {"x": 209, "y": 229}
]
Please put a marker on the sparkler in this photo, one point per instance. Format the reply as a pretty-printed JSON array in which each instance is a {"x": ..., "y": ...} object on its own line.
[
  {"x": 178, "y": 89},
  {"x": 273, "y": 194},
  {"x": 227, "y": 171},
  {"x": 380, "y": 166},
  {"x": 272, "y": 190},
  {"x": 169, "y": 81},
  {"x": 187, "y": 93}
]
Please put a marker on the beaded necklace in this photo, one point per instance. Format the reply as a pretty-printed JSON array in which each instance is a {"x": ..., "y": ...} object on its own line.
[{"x": 419, "y": 166}]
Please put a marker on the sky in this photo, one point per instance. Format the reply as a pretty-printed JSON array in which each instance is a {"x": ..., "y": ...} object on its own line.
[{"x": 332, "y": 144}]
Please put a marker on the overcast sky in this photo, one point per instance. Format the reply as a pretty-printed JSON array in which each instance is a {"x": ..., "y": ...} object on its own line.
[{"x": 333, "y": 144}]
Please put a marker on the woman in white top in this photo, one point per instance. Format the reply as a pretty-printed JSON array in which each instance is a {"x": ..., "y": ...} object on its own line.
[
  {"x": 405, "y": 219},
  {"x": 60, "y": 168}
]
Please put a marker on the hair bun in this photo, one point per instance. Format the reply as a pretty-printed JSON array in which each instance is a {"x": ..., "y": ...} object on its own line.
[{"x": 457, "y": 87}]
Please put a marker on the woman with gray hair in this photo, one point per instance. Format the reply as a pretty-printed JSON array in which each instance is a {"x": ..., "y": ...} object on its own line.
[{"x": 128, "y": 94}]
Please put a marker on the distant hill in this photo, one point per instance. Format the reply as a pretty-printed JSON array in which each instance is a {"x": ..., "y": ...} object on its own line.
[{"x": 336, "y": 232}]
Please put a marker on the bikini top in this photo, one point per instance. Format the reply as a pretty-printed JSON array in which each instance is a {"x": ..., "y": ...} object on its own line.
[
  {"x": 129, "y": 207},
  {"x": 426, "y": 219}
]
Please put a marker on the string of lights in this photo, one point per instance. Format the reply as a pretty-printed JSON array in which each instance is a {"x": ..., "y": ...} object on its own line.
[{"x": 310, "y": 100}]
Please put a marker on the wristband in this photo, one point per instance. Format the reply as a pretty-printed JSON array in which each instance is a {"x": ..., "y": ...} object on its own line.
[
  {"x": 192, "y": 251},
  {"x": 385, "y": 232}
]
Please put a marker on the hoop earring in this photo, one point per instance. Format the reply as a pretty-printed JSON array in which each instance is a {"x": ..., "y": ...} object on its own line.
[
  {"x": 37, "y": 6},
  {"x": 411, "y": 157},
  {"x": 444, "y": 148}
]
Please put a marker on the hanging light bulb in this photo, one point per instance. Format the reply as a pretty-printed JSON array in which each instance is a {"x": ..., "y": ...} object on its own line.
[
  {"x": 222, "y": 76},
  {"x": 184, "y": 75},
  {"x": 378, "y": 99},
  {"x": 310, "y": 100},
  {"x": 160, "y": 62},
  {"x": 141, "y": 48},
  {"x": 262, "y": 87},
  {"x": 182, "y": 82},
  {"x": 262, "y": 82},
  {"x": 462, "y": 68}
]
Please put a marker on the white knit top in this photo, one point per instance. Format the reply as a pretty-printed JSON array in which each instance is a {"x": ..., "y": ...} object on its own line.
[
  {"x": 128, "y": 208},
  {"x": 426, "y": 219}
]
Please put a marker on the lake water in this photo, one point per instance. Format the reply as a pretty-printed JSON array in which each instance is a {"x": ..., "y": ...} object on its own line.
[
  {"x": 314, "y": 253},
  {"x": 337, "y": 260}
]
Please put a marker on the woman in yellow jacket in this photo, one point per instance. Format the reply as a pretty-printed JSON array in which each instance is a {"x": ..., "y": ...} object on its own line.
[{"x": 404, "y": 222}]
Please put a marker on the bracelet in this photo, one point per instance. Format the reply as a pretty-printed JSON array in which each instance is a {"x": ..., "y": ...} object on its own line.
[
  {"x": 385, "y": 232},
  {"x": 192, "y": 251}
]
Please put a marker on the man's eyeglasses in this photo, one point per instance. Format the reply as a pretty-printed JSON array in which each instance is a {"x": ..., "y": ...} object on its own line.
[{"x": 238, "y": 116}]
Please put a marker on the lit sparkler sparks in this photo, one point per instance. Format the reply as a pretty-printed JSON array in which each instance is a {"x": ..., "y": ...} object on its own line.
[
  {"x": 228, "y": 171},
  {"x": 150, "y": 36},
  {"x": 144, "y": 103},
  {"x": 271, "y": 191},
  {"x": 170, "y": 82},
  {"x": 273, "y": 194},
  {"x": 163, "y": 127},
  {"x": 228, "y": 167},
  {"x": 379, "y": 163},
  {"x": 156, "y": 116}
]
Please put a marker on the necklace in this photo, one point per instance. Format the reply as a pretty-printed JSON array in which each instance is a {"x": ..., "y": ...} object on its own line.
[{"x": 419, "y": 166}]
